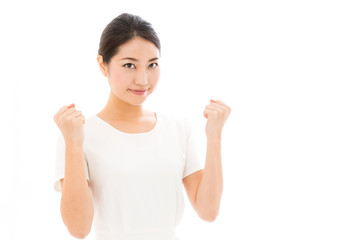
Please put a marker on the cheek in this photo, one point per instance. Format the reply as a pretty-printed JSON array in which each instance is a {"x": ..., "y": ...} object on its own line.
[
  {"x": 155, "y": 78},
  {"x": 120, "y": 79}
]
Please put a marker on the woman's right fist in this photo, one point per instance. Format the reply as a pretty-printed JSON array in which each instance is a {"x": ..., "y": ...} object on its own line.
[{"x": 70, "y": 123}]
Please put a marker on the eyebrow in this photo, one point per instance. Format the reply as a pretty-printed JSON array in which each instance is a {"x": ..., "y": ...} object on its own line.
[{"x": 134, "y": 59}]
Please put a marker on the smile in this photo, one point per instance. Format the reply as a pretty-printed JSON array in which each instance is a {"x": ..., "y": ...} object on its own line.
[{"x": 138, "y": 92}]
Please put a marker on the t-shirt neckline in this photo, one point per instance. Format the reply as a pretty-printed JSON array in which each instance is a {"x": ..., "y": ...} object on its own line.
[{"x": 125, "y": 133}]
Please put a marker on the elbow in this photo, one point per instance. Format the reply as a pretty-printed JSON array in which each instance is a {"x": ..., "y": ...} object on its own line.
[
  {"x": 79, "y": 235},
  {"x": 209, "y": 216},
  {"x": 208, "y": 219},
  {"x": 80, "y": 232},
  {"x": 208, "y": 213},
  {"x": 79, "y": 226}
]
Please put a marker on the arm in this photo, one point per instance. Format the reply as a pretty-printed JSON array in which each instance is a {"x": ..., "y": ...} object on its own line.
[
  {"x": 210, "y": 188},
  {"x": 76, "y": 204}
]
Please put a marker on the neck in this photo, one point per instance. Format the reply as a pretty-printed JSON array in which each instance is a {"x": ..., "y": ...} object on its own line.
[{"x": 118, "y": 110}]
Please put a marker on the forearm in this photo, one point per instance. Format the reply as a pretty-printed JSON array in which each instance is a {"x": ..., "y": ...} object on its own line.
[
  {"x": 76, "y": 203},
  {"x": 211, "y": 186}
]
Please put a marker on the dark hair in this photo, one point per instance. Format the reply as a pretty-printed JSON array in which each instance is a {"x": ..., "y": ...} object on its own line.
[{"x": 122, "y": 29}]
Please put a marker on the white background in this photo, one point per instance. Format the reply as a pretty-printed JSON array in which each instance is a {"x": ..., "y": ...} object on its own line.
[{"x": 288, "y": 69}]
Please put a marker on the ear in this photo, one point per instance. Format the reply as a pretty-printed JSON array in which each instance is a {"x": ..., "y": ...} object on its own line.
[{"x": 102, "y": 65}]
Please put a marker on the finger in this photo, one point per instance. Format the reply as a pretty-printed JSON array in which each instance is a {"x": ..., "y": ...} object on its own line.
[
  {"x": 61, "y": 110},
  {"x": 59, "y": 113},
  {"x": 212, "y": 107},
  {"x": 64, "y": 108},
  {"x": 80, "y": 119},
  {"x": 220, "y": 110},
  {"x": 223, "y": 104},
  {"x": 219, "y": 105},
  {"x": 204, "y": 114},
  {"x": 76, "y": 114},
  {"x": 70, "y": 109},
  {"x": 210, "y": 111},
  {"x": 68, "y": 112}
]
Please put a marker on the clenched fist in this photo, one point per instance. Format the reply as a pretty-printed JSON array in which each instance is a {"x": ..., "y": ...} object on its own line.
[
  {"x": 70, "y": 122},
  {"x": 216, "y": 114}
]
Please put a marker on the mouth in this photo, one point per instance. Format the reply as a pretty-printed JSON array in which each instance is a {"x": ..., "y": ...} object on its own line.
[{"x": 138, "y": 92}]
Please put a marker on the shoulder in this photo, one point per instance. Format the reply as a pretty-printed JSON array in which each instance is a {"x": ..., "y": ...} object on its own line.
[
  {"x": 92, "y": 123},
  {"x": 90, "y": 120},
  {"x": 174, "y": 121}
]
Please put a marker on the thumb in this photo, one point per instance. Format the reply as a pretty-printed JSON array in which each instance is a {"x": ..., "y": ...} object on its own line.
[{"x": 71, "y": 105}]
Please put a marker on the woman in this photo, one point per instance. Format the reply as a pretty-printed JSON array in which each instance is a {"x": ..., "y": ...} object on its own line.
[{"x": 127, "y": 173}]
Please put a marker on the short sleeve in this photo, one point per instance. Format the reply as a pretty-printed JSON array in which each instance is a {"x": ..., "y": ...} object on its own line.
[
  {"x": 60, "y": 163},
  {"x": 193, "y": 162}
]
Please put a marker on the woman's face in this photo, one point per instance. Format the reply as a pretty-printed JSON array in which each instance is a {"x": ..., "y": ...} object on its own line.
[{"x": 142, "y": 72}]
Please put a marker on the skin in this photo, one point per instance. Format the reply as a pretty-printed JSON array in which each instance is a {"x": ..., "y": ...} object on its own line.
[{"x": 123, "y": 106}]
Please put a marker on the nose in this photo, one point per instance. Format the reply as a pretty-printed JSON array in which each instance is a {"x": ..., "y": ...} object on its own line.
[{"x": 141, "y": 78}]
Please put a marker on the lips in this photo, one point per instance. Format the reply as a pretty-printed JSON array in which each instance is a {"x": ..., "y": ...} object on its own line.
[
  {"x": 142, "y": 93},
  {"x": 139, "y": 90}
]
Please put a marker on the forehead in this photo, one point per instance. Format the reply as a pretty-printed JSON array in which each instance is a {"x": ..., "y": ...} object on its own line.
[{"x": 138, "y": 48}]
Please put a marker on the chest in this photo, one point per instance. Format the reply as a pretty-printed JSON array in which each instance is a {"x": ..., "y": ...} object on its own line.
[
  {"x": 131, "y": 127},
  {"x": 135, "y": 160},
  {"x": 144, "y": 124}
]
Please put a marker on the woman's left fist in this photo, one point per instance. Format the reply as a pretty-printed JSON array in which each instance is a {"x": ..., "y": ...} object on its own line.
[{"x": 216, "y": 114}]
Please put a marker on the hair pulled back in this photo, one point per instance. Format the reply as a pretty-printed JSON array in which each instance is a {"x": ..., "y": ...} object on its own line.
[{"x": 122, "y": 29}]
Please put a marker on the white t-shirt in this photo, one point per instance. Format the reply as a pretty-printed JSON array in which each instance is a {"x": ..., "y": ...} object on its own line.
[{"x": 136, "y": 178}]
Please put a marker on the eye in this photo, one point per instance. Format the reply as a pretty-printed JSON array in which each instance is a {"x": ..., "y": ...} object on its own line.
[
  {"x": 155, "y": 63},
  {"x": 127, "y": 64}
]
